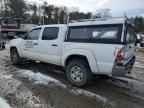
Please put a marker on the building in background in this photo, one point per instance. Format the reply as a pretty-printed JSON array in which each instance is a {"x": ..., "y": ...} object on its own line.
[{"x": 10, "y": 27}]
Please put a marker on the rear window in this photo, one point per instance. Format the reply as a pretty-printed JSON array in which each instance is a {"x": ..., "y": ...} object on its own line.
[{"x": 102, "y": 33}]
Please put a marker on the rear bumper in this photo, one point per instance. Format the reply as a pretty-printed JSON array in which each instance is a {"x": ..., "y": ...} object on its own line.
[{"x": 121, "y": 70}]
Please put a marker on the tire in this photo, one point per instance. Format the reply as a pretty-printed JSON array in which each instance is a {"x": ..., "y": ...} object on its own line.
[
  {"x": 15, "y": 58},
  {"x": 78, "y": 73}
]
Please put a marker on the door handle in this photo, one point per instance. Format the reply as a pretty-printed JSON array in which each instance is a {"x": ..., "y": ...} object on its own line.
[
  {"x": 35, "y": 43},
  {"x": 54, "y": 45}
]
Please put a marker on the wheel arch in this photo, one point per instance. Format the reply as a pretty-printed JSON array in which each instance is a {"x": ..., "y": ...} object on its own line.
[
  {"x": 75, "y": 56},
  {"x": 81, "y": 54},
  {"x": 14, "y": 47}
]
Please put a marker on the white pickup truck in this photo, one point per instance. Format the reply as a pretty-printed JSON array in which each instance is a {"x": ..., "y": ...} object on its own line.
[{"x": 84, "y": 48}]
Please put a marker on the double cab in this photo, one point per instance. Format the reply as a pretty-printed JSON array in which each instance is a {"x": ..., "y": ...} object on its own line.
[{"x": 84, "y": 48}]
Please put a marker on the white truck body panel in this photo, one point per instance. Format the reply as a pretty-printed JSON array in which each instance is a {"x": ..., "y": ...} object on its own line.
[{"x": 101, "y": 57}]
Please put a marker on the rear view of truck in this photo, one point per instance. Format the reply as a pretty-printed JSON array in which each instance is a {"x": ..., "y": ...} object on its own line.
[{"x": 125, "y": 57}]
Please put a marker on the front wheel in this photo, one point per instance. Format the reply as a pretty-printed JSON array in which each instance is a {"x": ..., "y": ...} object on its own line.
[
  {"x": 78, "y": 73},
  {"x": 15, "y": 58}
]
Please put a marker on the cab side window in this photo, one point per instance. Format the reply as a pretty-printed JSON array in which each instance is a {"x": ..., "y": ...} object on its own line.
[
  {"x": 33, "y": 35},
  {"x": 50, "y": 33}
]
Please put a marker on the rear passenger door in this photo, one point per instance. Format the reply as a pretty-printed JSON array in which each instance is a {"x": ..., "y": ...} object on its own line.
[{"x": 49, "y": 45}]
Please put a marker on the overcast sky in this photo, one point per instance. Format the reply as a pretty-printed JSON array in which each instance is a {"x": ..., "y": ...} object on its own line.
[{"x": 118, "y": 7}]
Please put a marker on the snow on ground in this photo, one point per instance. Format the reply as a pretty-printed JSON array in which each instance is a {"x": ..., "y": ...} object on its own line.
[
  {"x": 138, "y": 64},
  {"x": 5, "y": 76},
  {"x": 5, "y": 53},
  {"x": 3, "y": 103},
  {"x": 39, "y": 78},
  {"x": 89, "y": 94},
  {"x": 134, "y": 86},
  {"x": 7, "y": 45}
]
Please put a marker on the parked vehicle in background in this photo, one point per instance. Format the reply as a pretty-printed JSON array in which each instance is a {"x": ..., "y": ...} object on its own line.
[
  {"x": 83, "y": 48},
  {"x": 2, "y": 43},
  {"x": 142, "y": 42},
  {"x": 139, "y": 38},
  {"x": 8, "y": 26}
]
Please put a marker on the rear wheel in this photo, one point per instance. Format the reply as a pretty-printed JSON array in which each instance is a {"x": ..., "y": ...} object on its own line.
[
  {"x": 15, "y": 58},
  {"x": 78, "y": 73}
]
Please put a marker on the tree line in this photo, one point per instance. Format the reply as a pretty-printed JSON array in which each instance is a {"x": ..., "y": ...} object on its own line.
[
  {"x": 46, "y": 13},
  {"x": 39, "y": 14},
  {"x": 139, "y": 23}
]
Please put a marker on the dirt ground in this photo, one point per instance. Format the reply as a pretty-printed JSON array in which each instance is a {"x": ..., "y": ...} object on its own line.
[{"x": 39, "y": 85}]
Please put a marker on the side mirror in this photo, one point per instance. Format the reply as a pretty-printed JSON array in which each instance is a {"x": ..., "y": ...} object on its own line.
[{"x": 15, "y": 37}]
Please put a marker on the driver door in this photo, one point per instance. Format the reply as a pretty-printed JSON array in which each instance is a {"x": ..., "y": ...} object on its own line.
[{"x": 29, "y": 45}]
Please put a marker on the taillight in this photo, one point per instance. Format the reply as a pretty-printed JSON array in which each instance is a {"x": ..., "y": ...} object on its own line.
[{"x": 120, "y": 56}]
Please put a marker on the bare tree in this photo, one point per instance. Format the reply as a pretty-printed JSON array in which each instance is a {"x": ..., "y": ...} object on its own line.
[{"x": 103, "y": 13}]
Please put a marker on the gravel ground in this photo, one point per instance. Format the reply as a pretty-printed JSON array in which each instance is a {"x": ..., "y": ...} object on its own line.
[{"x": 39, "y": 85}]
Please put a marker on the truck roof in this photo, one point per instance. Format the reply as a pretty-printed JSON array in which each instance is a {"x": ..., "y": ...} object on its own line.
[
  {"x": 52, "y": 25},
  {"x": 97, "y": 21},
  {"x": 100, "y": 21}
]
